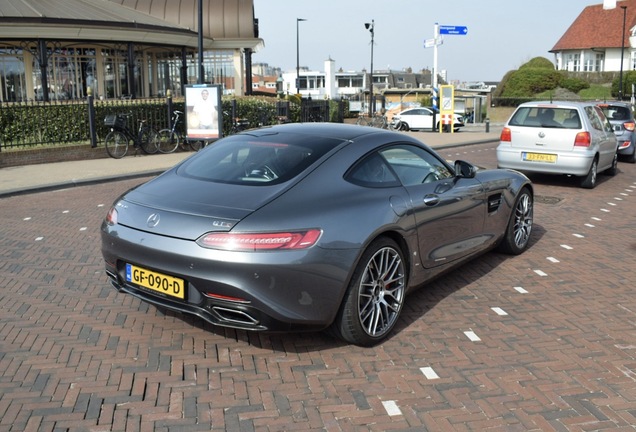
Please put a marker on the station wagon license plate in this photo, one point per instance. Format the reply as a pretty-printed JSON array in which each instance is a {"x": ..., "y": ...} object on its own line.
[
  {"x": 539, "y": 157},
  {"x": 158, "y": 282}
]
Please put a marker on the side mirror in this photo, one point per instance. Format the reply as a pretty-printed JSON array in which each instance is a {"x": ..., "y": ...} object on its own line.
[{"x": 464, "y": 169}]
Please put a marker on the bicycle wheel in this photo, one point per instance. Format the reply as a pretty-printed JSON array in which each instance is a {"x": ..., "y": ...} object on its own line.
[
  {"x": 116, "y": 144},
  {"x": 362, "y": 121},
  {"x": 379, "y": 122},
  {"x": 196, "y": 145},
  {"x": 149, "y": 140},
  {"x": 168, "y": 141}
]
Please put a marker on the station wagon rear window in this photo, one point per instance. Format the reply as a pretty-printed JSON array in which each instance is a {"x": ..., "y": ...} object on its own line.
[{"x": 546, "y": 117}]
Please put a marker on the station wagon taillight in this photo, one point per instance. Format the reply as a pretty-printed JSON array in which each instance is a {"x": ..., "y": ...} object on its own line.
[
  {"x": 506, "y": 135},
  {"x": 583, "y": 139},
  {"x": 630, "y": 126}
]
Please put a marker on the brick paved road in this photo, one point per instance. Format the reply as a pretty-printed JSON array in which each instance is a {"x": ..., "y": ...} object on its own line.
[{"x": 543, "y": 341}]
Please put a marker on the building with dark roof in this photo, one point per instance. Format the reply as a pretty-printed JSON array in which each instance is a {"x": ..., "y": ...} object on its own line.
[
  {"x": 595, "y": 40},
  {"x": 59, "y": 49}
]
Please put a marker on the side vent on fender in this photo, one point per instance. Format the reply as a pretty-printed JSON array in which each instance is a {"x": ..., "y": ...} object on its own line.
[{"x": 494, "y": 201}]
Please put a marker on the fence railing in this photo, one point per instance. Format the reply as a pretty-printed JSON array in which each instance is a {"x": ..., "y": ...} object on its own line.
[{"x": 62, "y": 123}]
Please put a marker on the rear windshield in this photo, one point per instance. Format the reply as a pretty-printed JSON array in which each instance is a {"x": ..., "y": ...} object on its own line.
[
  {"x": 616, "y": 112},
  {"x": 546, "y": 117},
  {"x": 257, "y": 160}
]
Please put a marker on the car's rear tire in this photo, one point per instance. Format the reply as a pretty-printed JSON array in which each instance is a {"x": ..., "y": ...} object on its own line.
[
  {"x": 375, "y": 296},
  {"x": 589, "y": 181},
  {"x": 632, "y": 158},
  {"x": 519, "y": 227}
]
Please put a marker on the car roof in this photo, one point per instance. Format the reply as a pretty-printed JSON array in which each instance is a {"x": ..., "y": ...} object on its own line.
[
  {"x": 331, "y": 130},
  {"x": 615, "y": 103},
  {"x": 558, "y": 104}
]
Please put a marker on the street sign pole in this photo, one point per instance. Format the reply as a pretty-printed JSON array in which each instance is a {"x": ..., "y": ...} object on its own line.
[
  {"x": 435, "y": 36},
  {"x": 443, "y": 30}
]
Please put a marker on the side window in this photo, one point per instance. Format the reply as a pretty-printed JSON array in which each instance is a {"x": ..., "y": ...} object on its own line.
[
  {"x": 594, "y": 118},
  {"x": 606, "y": 125},
  {"x": 414, "y": 165},
  {"x": 372, "y": 171}
]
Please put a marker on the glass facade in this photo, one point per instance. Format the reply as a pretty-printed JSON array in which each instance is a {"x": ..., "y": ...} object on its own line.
[{"x": 71, "y": 70}]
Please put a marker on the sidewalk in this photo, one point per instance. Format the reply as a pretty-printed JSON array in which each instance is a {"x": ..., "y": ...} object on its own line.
[{"x": 41, "y": 177}]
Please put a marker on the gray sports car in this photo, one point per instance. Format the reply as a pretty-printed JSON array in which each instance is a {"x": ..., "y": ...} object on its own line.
[{"x": 308, "y": 227}]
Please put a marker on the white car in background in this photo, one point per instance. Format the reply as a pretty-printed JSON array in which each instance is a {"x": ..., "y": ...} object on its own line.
[
  {"x": 573, "y": 138},
  {"x": 421, "y": 119}
]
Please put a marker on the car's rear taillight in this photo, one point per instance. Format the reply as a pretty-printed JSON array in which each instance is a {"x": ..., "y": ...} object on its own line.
[
  {"x": 583, "y": 139},
  {"x": 111, "y": 216},
  {"x": 260, "y": 241},
  {"x": 506, "y": 135},
  {"x": 630, "y": 126}
]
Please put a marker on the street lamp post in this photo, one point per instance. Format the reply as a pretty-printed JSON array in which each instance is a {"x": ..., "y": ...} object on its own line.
[
  {"x": 201, "y": 74},
  {"x": 298, "y": 20},
  {"x": 620, "y": 75},
  {"x": 371, "y": 26}
]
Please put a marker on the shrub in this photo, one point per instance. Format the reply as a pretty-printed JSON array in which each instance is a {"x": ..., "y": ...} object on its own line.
[
  {"x": 574, "y": 85},
  {"x": 528, "y": 81},
  {"x": 538, "y": 62},
  {"x": 629, "y": 79}
]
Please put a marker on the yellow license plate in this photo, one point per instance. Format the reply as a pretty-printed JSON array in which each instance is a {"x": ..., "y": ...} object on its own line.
[
  {"x": 540, "y": 157},
  {"x": 168, "y": 285}
]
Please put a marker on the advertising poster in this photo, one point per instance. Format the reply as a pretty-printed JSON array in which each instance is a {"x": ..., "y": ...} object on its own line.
[{"x": 203, "y": 112}]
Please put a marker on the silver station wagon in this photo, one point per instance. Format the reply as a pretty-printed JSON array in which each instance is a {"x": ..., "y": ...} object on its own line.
[{"x": 573, "y": 138}]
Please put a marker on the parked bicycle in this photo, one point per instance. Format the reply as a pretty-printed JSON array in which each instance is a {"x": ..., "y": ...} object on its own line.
[
  {"x": 170, "y": 138},
  {"x": 238, "y": 124},
  {"x": 377, "y": 120},
  {"x": 118, "y": 139}
]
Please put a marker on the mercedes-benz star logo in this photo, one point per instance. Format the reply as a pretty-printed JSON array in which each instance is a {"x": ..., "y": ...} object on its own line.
[{"x": 153, "y": 220}]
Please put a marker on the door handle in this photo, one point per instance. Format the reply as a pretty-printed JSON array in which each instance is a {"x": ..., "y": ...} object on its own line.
[{"x": 431, "y": 200}]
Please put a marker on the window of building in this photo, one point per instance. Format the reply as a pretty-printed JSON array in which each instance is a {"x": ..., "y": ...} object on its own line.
[
  {"x": 12, "y": 76},
  {"x": 572, "y": 62}
]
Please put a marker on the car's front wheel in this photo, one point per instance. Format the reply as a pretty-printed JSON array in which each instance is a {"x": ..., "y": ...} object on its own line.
[
  {"x": 519, "y": 227},
  {"x": 375, "y": 296}
]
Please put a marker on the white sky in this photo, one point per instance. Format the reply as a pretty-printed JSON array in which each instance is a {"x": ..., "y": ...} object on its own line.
[{"x": 502, "y": 34}]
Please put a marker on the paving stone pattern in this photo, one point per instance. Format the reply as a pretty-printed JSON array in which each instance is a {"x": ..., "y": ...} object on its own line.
[{"x": 545, "y": 341}]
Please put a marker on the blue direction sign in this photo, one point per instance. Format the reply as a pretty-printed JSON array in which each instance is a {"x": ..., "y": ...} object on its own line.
[{"x": 453, "y": 30}]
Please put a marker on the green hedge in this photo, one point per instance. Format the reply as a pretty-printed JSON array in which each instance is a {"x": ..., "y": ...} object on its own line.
[{"x": 55, "y": 123}]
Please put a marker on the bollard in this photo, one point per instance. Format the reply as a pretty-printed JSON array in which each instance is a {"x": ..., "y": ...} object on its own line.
[
  {"x": 487, "y": 125},
  {"x": 92, "y": 130}
]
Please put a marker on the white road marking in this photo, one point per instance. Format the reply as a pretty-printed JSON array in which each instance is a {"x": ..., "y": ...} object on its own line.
[
  {"x": 472, "y": 336},
  {"x": 391, "y": 408},
  {"x": 499, "y": 311},
  {"x": 429, "y": 372}
]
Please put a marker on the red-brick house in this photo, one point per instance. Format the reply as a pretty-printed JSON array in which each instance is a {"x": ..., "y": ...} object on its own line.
[{"x": 594, "y": 41}]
